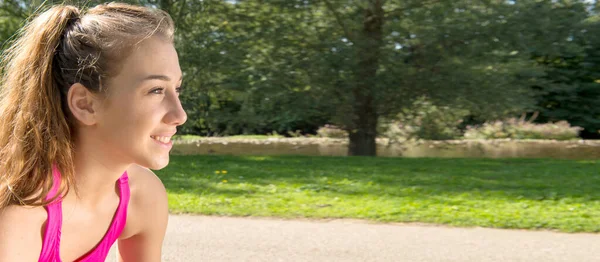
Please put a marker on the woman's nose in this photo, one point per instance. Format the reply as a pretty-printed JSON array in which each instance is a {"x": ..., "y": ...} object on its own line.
[{"x": 176, "y": 115}]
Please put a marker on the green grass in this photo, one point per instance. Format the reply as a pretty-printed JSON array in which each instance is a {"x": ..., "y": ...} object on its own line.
[
  {"x": 186, "y": 137},
  {"x": 507, "y": 193},
  {"x": 194, "y": 137},
  {"x": 253, "y": 136}
]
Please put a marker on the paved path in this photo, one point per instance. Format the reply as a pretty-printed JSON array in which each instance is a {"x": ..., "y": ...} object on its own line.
[{"x": 201, "y": 238}]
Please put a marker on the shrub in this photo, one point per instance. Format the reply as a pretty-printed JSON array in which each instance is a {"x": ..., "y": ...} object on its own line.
[
  {"x": 520, "y": 129},
  {"x": 424, "y": 120},
  {"x": 332, "y": 131}
]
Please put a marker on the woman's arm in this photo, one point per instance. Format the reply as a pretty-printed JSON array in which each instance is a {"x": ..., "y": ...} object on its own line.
[
  {"x": 20, "y": 238},
  {"x": 148, "y": 215}
]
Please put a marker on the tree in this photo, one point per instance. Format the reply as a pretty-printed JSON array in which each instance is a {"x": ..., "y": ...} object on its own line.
[
  {"x": 572, "y": 88},
  {"x": 399, "y": 51},
  {"x": 353, "y": 62}
]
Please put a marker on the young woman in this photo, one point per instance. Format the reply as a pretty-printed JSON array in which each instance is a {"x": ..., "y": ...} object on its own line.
[{"x": 89, "y": 104}]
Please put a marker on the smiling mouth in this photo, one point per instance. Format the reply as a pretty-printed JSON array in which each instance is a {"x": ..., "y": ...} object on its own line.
[{"x": 162, "y": 139}]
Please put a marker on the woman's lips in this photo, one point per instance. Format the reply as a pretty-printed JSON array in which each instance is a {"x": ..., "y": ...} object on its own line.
[{"x": 162, "y": 139}]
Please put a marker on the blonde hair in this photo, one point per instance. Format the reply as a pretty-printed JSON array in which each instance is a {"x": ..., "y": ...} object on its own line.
[{"x": 60, "y": 47}]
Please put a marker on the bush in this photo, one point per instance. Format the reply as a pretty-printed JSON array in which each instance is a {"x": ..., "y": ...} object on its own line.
[
  {"x": 520, "y": 129},
  {"x": 332, "y": 131},
  {"x": 424, "y": 120}
]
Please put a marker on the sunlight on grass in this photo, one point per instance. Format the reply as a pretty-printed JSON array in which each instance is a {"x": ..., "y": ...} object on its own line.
[
  {"x": 506, "y": 193},
  {"x": 256, "y": 158}
]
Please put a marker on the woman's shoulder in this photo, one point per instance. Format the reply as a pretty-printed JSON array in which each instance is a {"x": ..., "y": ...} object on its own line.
[
  {"x": 22, "y": 218},
  {"x": 144, "y": 185},
  {"x": 20, "y": 231},
  {"x": 148, "y": 199}
]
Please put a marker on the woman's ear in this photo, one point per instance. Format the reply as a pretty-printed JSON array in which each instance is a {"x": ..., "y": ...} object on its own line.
[{"x": 83, "y": 104}]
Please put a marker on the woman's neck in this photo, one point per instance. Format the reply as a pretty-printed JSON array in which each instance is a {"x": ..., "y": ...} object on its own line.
[{"x": 96, "y": 171}]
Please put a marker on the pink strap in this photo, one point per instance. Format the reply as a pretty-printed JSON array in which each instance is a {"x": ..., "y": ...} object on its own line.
[
  {"x": 51, "y": 242},
  {"x": 116, "y": 227}
]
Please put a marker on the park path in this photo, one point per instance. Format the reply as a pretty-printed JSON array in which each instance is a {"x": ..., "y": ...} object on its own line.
[{"x": 204, "y": 238}]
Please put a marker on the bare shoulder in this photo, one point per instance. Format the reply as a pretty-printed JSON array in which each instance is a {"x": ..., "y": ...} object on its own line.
[
  {"x": 148, "y": 200},
  {"x": 144, "y": 184},
  {"x": 21, "y": 233}
]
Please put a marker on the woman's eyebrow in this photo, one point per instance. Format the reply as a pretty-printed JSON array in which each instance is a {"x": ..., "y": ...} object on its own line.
[{"x": 158, "y": 77}]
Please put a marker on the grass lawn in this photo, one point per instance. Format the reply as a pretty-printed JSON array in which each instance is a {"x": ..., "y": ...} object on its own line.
[
  {"x": 194, "y": 137},
  {"x": 505, "y": 193}
]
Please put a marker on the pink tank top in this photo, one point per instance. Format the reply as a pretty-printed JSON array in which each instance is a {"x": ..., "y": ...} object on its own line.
[{"x": 51, "y": 242}]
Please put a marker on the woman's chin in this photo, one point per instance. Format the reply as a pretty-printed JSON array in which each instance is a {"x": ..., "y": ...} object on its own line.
[{"x": 157, "y": 163}]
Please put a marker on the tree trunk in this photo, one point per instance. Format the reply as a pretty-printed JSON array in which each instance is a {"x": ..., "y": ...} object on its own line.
[{"x": 364, "y": 120}]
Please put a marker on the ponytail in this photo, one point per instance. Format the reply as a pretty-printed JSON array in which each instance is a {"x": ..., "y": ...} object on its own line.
[
  {"x": 57, "y": 49},
  {"x": 34, "y": 130}
]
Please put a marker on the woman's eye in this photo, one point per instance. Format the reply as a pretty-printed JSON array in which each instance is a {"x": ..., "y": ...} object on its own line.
[
  {"x": 178, "y": 90},
  {"x": 157, "y": 91}
]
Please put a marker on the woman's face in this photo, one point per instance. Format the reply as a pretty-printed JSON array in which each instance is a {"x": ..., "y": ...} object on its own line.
[{"x": 142, "y": 109}]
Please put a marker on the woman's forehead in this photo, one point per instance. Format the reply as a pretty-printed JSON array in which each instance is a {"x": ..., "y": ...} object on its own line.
[{"x": 154, "y": 58}]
